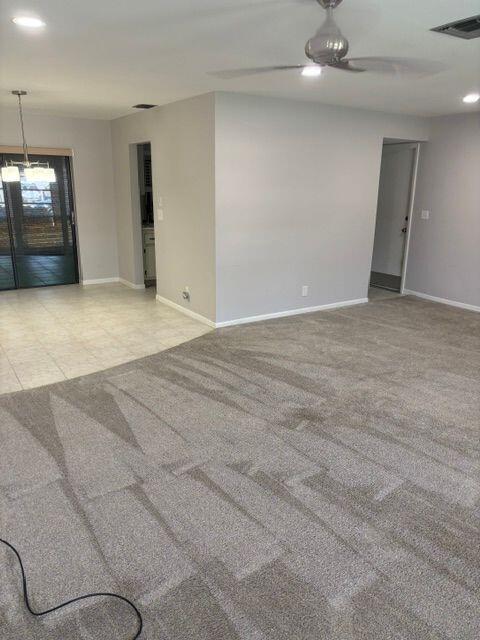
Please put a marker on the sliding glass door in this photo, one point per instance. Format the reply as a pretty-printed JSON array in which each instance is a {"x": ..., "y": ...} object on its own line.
[
  {"x": 37, "y": 232},
  {"x": 7, "y": 277}
]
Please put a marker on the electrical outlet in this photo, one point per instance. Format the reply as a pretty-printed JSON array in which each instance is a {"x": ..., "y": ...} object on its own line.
[
  {"x": 304, "y": 291},
  {"x": 186, "y": 293},
  {"x": 425, "y": 215}
]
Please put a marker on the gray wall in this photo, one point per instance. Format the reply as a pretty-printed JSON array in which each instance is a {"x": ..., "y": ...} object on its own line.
[
  {"x": 262, "y": 196},
  {"x": 297, "y": 188},
  {"x": 445, "y": 250},
  {"x": 393, "y": 207},
  {"x": 93, "y": 177},
  {"x": 140, "y": 127},
  {"x": 182, "y": 136}
]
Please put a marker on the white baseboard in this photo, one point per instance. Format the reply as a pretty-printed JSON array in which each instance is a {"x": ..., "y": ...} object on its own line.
[
  {"x": 86, "y": 283},
  {"x": 292, "y": 312},
  {"x": 131, "y": 285},
  {"x": 187, "y": 312},
  {"x": 451, "y": 303}
]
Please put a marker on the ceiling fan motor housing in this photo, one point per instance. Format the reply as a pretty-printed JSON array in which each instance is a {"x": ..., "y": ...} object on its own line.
[
  {"x": 329, "y": 4},
  {"x": 326, "y": 50},
  {"x": 328, "y": 45}
]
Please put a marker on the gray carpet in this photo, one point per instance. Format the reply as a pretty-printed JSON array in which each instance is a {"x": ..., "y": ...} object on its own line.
[{"x": 314, "y": 478}]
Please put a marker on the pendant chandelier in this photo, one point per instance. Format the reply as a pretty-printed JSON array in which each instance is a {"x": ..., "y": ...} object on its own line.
[{"x": 33, "y": 171}]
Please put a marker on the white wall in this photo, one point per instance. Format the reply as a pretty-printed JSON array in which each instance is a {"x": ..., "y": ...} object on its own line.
[
  {"x": 393, "y": 208},
  {"x": 182, "y": 136},
  {"x": 93, "y": 178},
  {"x": 297, "y": 186},
  {"x": 444, "y": 257}
]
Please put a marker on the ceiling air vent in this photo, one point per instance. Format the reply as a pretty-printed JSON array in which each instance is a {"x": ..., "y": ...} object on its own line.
[
  {"x": 466, "y": 29},
  {"x": 144, "y": 106}
]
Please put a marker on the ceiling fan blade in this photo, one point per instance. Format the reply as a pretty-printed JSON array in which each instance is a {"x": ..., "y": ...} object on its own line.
[
  {"x": 345, "y": 65},
  {"x": 230, "y": 74},
  {"x": 396, "y": 66}
]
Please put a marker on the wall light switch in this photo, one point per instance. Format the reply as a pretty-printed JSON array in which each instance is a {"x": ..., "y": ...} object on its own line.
[
  {"x": 425, "y": 215},
  {"x": 304, "y": 291},
  {"x": 160, "y": 215}
]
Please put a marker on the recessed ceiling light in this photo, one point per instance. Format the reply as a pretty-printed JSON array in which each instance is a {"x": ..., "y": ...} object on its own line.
[
  {"x": 472, "y": 98},
  {"x": 28, "y": 21},
  {"x": 312, "y": 71}
]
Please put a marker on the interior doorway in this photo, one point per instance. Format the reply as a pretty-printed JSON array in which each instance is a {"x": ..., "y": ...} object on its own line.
[
  {"x": 37, "y": 229},
  {"x": 394, "y": 212},
  {"x": 145, "y": 190}
]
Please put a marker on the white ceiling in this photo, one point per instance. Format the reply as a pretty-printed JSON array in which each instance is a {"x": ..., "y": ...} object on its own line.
[{"x": 96, "y": 58}]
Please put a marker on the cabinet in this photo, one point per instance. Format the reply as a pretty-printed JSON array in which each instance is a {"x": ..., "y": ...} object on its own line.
[{"x": 149, "y": 265}]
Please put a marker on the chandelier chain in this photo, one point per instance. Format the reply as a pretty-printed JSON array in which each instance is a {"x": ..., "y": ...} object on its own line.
[{"x": 25, "y": 147}]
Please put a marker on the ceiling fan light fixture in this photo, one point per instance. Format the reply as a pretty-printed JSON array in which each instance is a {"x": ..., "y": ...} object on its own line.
[
  {"x": 312, "y": 71},
  {"x": 471, "y": 98},
  {"x": 28, "y": 21}
]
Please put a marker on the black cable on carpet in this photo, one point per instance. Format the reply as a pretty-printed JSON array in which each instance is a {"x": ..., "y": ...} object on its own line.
[{"x": 38, "y": 614}]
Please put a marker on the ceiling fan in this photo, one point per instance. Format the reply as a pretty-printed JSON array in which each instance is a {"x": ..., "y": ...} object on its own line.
[{"x": 329, "y": 48}]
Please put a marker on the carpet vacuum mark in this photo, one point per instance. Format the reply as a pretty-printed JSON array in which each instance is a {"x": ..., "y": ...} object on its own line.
[{"x": 307, "y": 478}]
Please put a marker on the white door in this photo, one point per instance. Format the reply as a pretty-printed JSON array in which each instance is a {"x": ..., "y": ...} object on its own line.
[{"x": 393, "y": 208}]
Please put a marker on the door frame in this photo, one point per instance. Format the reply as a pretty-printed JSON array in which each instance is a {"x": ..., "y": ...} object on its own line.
[
  {"x": 136, "y": 216},
  {"x": 8, "y": 218},
  {"x": 73, "y": 215},
  {"x": 67, "y": 155},
  {"x": 416, "y": 147},
  {"x": 411, "y": 210}
]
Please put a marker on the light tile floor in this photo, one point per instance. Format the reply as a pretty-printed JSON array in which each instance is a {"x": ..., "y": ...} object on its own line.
[{"x": 55, "y": 333}]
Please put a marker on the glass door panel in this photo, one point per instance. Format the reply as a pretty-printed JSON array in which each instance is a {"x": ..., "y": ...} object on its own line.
[
  {"x": 41, "y": 227},
  {"x": 7, "y": 276}
]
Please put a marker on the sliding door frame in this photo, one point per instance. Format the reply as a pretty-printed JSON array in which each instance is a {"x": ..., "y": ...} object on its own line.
[
  {"x": 6, "y": 198},
  {"x": 71, "y": 214}
]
